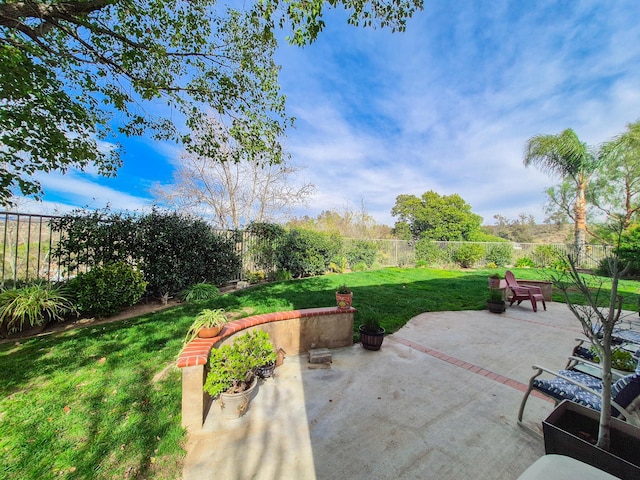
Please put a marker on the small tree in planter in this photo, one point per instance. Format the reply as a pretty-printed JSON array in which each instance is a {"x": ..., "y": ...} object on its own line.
[
  {"x": 233, "y": 367},
  {"x": 598, "y": 317}
]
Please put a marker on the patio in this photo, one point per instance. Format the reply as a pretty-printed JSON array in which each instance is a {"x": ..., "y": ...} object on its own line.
[{"x": 439, "y": 400}]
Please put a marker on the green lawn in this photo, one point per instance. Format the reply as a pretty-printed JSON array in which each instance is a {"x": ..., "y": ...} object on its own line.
[{"x": 104, "y": 401}]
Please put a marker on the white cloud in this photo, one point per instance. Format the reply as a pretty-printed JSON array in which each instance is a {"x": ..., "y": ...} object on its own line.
[
  {"x": 450, "y": 104},
  {"x": 78, "y": 191}
]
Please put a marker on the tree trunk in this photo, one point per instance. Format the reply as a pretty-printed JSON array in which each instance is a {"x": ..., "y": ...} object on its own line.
[
  {"x": 580, "y": 229},
  {"x": 604, "y": 435}
]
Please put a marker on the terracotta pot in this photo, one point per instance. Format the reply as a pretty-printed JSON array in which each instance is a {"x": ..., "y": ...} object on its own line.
[
  {"x": 343, "y": 300},
  {"x": 209, "y": 332}
]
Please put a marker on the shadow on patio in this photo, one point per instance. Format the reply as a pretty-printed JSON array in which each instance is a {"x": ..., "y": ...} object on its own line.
[{"x": 439, "y": 400}]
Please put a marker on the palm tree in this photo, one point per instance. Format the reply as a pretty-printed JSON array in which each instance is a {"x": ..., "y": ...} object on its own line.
[{"x": 564, "y": 155}]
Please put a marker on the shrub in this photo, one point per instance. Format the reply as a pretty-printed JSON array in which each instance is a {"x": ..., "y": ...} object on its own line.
[
  {"x": 107, "y": 290},
  {"x": 267, "y": 238},
  {"x": 603, "y": 268},
  {"x": 499, "y": 254},
  {"x": 525, "y": 262},
  {"x": 359, "y": 267},
  {"x": 280, "y": 275},
  {"x": 361, "y": 251},
  {"x": 199, "y": 291},
  {"x": 338, "y": 264},
  {"x": 176, "y": 251},
  {"x": 560, "y": 263},
  {"x": 256, "y": 276},
  {"x": 604, "y": 271},
  {"x": 467, "y": 254},
  {"x": 305, "y": 253},
  {"x": 171, "y": 250},
  {"x": 94, "y": 238},
  {"x": 427, "y": 252},
  {"x": 36, "y": 304},
  {"x": 545, "y": 255}
]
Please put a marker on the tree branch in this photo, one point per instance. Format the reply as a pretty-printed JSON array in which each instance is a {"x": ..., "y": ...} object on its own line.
[{"x": 13, "y": 15}]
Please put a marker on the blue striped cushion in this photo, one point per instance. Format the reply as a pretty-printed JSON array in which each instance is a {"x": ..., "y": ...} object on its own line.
[
  {"x": 560, "y": 389},
  {"x": 625, "y": 391},
  {"x": 626, "y": 335}
]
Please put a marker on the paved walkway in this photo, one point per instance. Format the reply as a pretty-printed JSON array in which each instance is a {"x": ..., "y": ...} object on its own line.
[{"x": 438, "y": 401}]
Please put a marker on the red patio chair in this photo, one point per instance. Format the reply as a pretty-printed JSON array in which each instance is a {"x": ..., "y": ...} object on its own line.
[{"x": 523, "y": 292}]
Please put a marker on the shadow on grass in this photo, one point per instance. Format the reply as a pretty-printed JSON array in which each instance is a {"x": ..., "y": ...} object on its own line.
[{"x": 90, "y": 403}]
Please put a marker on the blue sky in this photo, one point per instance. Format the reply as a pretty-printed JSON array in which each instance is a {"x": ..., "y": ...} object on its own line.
[{"x": 447, "y": 106}]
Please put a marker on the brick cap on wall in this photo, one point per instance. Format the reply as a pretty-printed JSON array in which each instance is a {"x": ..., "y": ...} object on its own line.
[{"x": 196, "y": 352}]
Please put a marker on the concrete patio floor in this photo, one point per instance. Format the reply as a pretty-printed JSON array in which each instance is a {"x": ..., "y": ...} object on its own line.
[{"x": 438, "y": 401}]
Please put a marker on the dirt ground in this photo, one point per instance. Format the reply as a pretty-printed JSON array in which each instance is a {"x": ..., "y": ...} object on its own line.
[{"x": 53, "y": 327}]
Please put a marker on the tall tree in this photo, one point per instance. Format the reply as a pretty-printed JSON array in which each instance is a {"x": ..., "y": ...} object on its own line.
[
  {"x": 565, "y": 156},
  {"x": 618, "y": 180},
  {"x": 74, "y": 70},
  {"x": 347, "y": 223},
  {"x": 436, "y": 217},
  {"x": 231, "y": 187},
  {"x": 518, "y": 230}
]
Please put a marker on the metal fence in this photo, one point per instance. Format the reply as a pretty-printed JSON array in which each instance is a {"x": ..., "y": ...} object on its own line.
[
  {"x": 27, "y": 241},
  {"x": 538, "y": 253}
]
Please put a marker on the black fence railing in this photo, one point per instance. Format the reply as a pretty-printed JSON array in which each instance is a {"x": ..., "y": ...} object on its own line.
[{"x": 25, "y": 248}]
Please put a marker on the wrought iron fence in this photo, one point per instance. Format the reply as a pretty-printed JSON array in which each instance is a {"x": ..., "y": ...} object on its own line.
[{"x": 28, "y": 239}]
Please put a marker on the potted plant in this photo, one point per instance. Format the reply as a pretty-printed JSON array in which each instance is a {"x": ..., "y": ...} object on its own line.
[
  {"x": 232, "y": 375},
  {"x": 598, "y": 313},
  {"x": 344, "y": 297},
  {"x": 495, "y": 302},
  {"x": 494, "y": 280},
  {"x": 371, "y": 334},
  {"x": 207, "y": 324}
]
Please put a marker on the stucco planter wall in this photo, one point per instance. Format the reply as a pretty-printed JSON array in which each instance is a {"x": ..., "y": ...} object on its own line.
[{"x": 294, "y": 331}]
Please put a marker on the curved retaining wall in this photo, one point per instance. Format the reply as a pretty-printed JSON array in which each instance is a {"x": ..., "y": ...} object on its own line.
[{"x": 294, "y": 331}]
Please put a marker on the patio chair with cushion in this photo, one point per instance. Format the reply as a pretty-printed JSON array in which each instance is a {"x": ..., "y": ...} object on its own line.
[
  {"x": 582, "y": 350},
  {"x": 524, "y": 292},
  {"x": 586, "y": 389},
  {"x": 624, "y": 335}
]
